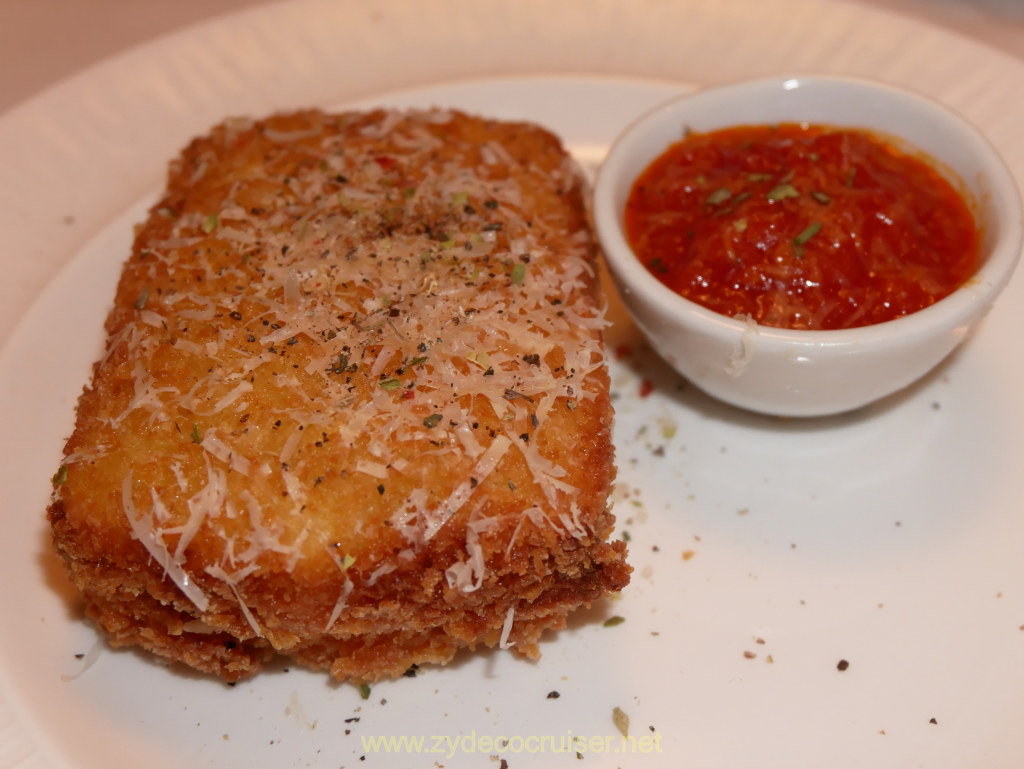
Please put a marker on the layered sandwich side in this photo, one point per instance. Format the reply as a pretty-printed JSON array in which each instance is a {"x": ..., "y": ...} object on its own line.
[{"x": 354, "y": 404}]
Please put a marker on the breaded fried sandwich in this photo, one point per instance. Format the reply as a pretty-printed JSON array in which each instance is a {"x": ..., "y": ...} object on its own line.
[{"x": 353, "y": 407}]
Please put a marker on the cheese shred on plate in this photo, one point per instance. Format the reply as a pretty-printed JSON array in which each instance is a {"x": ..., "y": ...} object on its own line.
[{"x": 353, "y": 407}]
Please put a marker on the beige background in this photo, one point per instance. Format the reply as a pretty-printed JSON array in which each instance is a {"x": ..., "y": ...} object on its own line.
[{"x": 43, "y": 41}]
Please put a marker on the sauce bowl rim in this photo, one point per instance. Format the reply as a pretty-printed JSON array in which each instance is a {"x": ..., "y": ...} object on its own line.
[{"x": 1002, "y": 199}]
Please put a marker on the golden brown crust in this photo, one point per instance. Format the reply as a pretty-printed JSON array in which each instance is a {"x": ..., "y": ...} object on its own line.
[{"x": 353, "y": 407}]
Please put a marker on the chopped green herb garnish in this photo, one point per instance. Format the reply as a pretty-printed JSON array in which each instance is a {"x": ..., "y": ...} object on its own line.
[
  {"x": 809, "y": 232},
  {"x": 759, "y": 177},
  {"x": 518, "y": 273},
  {"x": 739, "y": 225},
  {"x": 143, "y": 297},
  {"x": 621, "y": 721},
  {"x": 417, "y": 360},
  {"x": 61, "y": 476},
  {"x": 783, "y": 191},
  {"x": 432, "y": 421},
  {"x": 613, "y": 621},
  {"x": 210, "y": 223},
  {"x": 850, "y": 176},
  {"x": 390, "y": 384},
  {"x": 364, "y": 691},
  {"x": 821, "y": 197},
  {"x": 718, "y": 197},
  {"x": 196, "y": 436}
]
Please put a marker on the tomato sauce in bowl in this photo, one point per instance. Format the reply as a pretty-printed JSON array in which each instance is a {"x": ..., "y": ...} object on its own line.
[
  {"x": 801, "y": 226},
  {"x": 839, "y": 266}
]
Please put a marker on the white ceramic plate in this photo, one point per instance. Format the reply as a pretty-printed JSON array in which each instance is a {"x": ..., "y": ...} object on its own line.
[{"x": 766, "y": 552}]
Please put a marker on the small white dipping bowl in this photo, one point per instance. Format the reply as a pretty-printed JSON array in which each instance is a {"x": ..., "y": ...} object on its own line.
[{"x": 810, "y": 373}]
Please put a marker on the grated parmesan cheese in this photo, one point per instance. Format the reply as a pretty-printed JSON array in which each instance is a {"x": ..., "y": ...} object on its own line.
[{"x": 452, "y": 323}]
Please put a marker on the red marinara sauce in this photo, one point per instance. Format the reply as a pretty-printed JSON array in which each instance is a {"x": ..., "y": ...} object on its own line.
[{"x": 801, "y": 226}]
